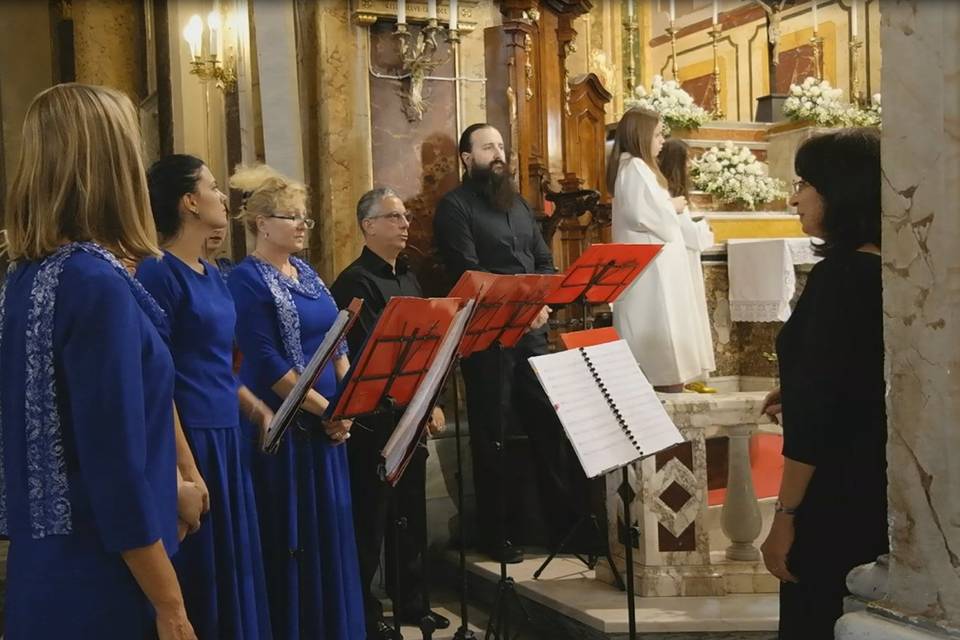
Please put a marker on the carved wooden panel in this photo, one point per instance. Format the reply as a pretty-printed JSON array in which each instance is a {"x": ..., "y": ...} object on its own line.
[{"x": 585, "y": 133}]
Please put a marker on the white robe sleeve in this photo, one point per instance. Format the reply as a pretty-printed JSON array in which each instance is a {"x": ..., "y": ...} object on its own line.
[
  {"x": 697, "y": 236},
  {"x": 645, "y": 204}
]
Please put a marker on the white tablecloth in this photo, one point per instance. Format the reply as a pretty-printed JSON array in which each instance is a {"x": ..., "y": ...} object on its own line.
[{"x": 762, "y": 276}]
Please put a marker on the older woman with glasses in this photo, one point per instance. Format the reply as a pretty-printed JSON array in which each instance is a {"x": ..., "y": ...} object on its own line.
[{"x": 303, "y": 493}]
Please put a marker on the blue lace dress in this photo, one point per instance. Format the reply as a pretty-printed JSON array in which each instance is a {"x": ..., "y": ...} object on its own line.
[{"x": 303, "y": 492}]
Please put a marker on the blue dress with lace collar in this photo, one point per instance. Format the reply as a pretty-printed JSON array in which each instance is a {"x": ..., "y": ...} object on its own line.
[{"x": 303, "y": 492}]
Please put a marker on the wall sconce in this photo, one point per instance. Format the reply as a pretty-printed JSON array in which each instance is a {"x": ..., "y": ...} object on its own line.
[
  {"x": 418, "y": 56},
  {"x": 215, "y": 65}
]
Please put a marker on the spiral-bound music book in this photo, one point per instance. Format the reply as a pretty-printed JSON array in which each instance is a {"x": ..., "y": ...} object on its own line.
[{"x": 609, "y": 410}]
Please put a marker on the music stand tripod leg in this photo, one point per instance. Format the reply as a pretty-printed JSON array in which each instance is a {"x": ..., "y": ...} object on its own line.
[
  {"x": 498, "y": 626},
  {"x": 464, "y": 632}
]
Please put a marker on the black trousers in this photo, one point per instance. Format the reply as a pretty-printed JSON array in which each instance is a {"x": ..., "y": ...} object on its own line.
[
  {"x": 372, "y": 510},
  {"x": 501, "y": 386}
]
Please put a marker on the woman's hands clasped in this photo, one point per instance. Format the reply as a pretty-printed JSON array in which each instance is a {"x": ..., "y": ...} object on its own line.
[{"x": 337, "y": 430}]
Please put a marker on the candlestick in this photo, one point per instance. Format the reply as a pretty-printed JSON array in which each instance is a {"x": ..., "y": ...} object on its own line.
[
  {"x": 213, "y": 28},
  {"x": 673, "y": 49},
  {"x": 856, "y": 96},
  {"x": 454, "y": 16},
  {"x": 401, "y": 11},
  {"x": 717, "y": 112},
  {"x": 816, "y": 43},
  {"x": 630, "y": 25}
]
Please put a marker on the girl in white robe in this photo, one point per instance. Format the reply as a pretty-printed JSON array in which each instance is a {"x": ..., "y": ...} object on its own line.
[
  {"x": 657, "y": 315},
  {"x": 697, "y": 236}
]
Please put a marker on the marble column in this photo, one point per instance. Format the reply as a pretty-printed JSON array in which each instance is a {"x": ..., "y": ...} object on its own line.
[
  {"x": 921, "y": 280},
  {"x": 108, "y": 44},
  {"x": 335, "y": 111}
]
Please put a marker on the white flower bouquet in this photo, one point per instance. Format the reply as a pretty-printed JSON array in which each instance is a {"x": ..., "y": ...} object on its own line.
[
  {"x": 674, "y": 105},
  {"x": 817, "y": 101},
  {"x": 869, "y": 116},
  {"x": 733, "y": 174}
]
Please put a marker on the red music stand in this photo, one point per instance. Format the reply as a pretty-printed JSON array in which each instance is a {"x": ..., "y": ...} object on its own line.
[
  {"x": 396, "y": 355},
  {"x": 506, "y": 305},
  {"x": 602, "y": 273}
]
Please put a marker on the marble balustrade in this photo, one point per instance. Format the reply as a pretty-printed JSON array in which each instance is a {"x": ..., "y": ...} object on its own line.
[{"x": 674, "y": 553}]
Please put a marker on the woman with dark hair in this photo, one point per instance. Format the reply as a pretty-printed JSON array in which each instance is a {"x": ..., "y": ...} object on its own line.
[
  {"x": 832, "y": 512},
  {"x": 697, "y": 236},
  {"x": 220, "y": 567}
]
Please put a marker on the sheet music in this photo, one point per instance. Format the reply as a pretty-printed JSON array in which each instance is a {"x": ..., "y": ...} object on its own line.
[
  {"x": 594, "y": 431},
  {"x": 291, "y": 404},
  {"x": 408, "y": 427}
]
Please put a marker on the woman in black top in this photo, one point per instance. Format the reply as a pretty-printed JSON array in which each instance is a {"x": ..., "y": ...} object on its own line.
[{"x": 832, "y": 512}]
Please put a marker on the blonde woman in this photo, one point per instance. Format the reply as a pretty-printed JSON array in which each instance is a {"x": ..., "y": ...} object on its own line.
[
  {"x": 303, "y": 492},
  {"x": 657, "y": 315},
  {"x": 88, "y": 492}
]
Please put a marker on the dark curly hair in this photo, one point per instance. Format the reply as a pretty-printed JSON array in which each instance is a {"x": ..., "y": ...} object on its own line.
[
  {"x": 169, "y": 179},
  {"x": 844, "y": 167}
]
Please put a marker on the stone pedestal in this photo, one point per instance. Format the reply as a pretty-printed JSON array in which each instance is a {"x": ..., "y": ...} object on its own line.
[{"x": 672, "y": 556}]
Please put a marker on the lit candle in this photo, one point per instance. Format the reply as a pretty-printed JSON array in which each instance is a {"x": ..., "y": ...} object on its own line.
[
  {"x": 630, "y": 9},
  {"x": 853, "y": 18},
  {"x": 213, "y": 26},
  {"x": 816, "y": 23},
  {"x": 401, "y": 11},
  {"x": 716, "y": 5},
  {"x": 454, "y": 16},
  {"x": 431, "y": 9},
  {"x": 193, "y": 34},
  {"x": 673, "y": 11}
]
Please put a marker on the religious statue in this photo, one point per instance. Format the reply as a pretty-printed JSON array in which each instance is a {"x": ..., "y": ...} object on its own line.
[{"x": 774, "y": 11}]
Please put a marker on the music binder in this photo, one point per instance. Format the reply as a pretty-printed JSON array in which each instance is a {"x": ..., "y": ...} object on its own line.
[
  {"x": 321, "y": 357},
  {"x": 609, "y": 410}
]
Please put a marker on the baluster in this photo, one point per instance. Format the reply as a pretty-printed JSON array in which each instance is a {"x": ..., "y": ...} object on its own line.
[{"x": 741, "y": 514}]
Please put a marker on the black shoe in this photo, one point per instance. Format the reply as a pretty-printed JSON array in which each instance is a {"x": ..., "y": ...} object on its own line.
[
  {"x": 414, "y": 618},
  {"x": 509, "y": 555},
  {"x": 383, "y": 631}
]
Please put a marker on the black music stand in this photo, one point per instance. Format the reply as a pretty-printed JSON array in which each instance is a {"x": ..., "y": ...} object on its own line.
[
  {"x": 506, "y": 306},
  {"x": 599, "y": 276},
  {"x": 392, "y": 364}
]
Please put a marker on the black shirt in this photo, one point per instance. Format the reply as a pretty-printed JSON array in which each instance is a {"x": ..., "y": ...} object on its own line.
[
  {"x": 372, "y": 278},
  {"x": 473, "y": 235},
  {"x": 834, "y": 413}
]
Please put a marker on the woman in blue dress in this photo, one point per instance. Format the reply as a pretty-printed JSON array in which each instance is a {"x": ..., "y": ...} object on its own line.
[
  {"x": 88, "y": 484},
  {"x": 220, "y": 567},
  {"x": 303, "y": 492}
]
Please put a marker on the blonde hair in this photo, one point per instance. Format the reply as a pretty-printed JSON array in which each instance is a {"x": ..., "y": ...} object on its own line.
[
  {"x": 80, "y": 176},
  {"x": 634, "y": 136},
  {"x": 265, "y": 192}
]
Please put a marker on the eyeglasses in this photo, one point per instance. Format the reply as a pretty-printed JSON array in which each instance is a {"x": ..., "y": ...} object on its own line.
[
  {"x": 799, "y": 184},
  {"x": 307, "y": 222},
  {"x": 394, "y": 217}
]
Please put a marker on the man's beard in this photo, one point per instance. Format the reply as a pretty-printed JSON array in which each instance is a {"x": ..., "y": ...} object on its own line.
[{"x": 497, "y": 187}]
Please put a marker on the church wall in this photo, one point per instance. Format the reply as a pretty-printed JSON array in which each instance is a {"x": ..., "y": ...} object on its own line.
[
  {"x": 742, "y": 50},
  {"x": 26, "y": 38}
]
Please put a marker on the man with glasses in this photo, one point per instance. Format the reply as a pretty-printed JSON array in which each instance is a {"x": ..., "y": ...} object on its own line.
[{"x": 379, "y": 274}]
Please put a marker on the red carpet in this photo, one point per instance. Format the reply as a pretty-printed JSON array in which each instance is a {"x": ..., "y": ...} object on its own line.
[{"x": 766, "y": 463}]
